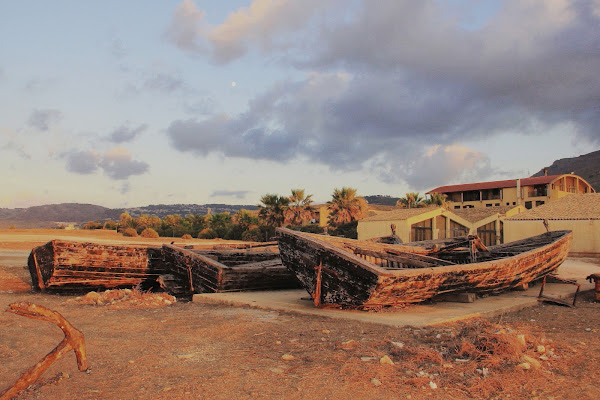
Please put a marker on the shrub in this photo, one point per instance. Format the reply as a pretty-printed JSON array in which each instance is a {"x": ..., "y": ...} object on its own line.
[
  {"x": 348, "y": 230},
  {"x": 267, "y": 233},
  {"x": 312, "y": 228},
  {"x": 149, "y": 233},
  {"x": 234, "y": 232},
  {"x": 130, "y": 232},
  {"x": 207, "y": 233},
  {"x": 252, "y": 235},
  {"x": 186, "y": 236},
  {"x": 110, "y": 225}
]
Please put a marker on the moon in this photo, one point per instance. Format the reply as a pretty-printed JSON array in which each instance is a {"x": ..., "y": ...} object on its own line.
[{"x": 233, "y": 83}]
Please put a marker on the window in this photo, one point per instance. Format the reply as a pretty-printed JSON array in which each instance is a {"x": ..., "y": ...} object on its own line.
[
  {"x": 471, "y": 195},
  {"x": 497, "y": 204},
  {"x": 528, "y": 205},
  {"x": 538, "y": 203},
  {"x": 457, "y": 207},
  {"x": 488, "y": 205}
]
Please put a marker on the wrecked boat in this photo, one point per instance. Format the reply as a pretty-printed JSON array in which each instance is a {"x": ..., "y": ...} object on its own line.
[
  {"x": 73, "y": 267},
  {"x": 363, "y": 274},
  {"x": 227, "y": 270},
  {"x": 63, "y": 266}
]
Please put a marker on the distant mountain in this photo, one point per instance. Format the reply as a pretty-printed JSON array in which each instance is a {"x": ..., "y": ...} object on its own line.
[
  {"x": 383, "y": 200},
  {"x": 51, "y": 215},
  {"x": 586, "y": 166},
  {"x": 162, "y": 210}
]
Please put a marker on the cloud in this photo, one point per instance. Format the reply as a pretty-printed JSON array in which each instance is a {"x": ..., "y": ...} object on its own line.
[
  {"x": 117, "y": 163},
  {"x": 238, "y": 194},
  {"x": 165, "y": 83},
  {"x": 187, "y": 26},
  {"x": 125, "y": 188},
  {"x": 82, "y": 162},
  {"x": 44, "y": 119},
  {"x": 438, "y": 165},
  {"x": 386, "y": 81},
  {"x": 12, "y": 144},
  {"x": 263, "y": 24},
  {"x": 125, "y": 133}
]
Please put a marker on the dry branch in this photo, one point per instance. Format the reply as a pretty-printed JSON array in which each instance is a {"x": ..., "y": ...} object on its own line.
[{"x": 73, "y": 341}]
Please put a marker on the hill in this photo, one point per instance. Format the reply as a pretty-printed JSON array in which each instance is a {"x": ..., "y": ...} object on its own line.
[
  {"x": 383, "y": 200},
  {"x": 586, "y": 166},
  {"x": 53, "y": 215}
]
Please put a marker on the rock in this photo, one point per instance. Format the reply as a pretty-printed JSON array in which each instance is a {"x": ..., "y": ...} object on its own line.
[
  {"x": 386, "y": 360},
  {"x": 448, "y": 366},
  {"x": 588, "y": 329},
  {"x": 277, "y": 370},
  {"x": 544, "y": 357},
  {"x": 524, "y": 366},
  {"x": 366, "y": 359},
  {"x": 92, "y": 296},
  {"x": 326, "y": 331},
  {"x": 540, "y": 349},
  {"x": 288, "y": 357},
  {"x": 535, "y": 364},
  {"x": 521, "y": 339},
  {"x": 350, "y": 344},
  {"x": 375, "y": 382},
  {"x": 278, "y": 342},
  {"x": 432, "y": 385},
  {"x": 399, "y": 345}
]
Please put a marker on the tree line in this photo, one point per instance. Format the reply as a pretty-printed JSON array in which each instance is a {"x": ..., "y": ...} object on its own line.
[{"x": 295, "y": 211}]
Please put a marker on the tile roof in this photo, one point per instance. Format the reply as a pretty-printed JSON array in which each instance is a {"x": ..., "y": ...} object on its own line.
[
  {"x": 400, "y": 214},
  {"x": 538, "y": 180},
  {"x": 477, "y": 214},
  {"x": 573, "y": 206}
]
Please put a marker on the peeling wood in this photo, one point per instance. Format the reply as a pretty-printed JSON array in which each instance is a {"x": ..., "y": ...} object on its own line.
[{"x": 367, "y": 280}]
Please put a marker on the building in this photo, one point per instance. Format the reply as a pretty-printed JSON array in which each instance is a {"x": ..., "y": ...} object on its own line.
[
  {"x": 413, "y": 224},
  {"x": 529, "y": 192},
  {"x": 579, "y": 213}
]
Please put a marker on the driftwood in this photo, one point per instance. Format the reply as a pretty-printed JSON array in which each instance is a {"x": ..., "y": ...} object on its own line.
[{"x": 73, "y": 341}]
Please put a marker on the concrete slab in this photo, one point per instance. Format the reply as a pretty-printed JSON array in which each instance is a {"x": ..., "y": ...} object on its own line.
[{"x": 415, "y": 315}]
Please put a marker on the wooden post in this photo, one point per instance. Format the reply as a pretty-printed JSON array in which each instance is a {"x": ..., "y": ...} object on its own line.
[
  {"x": 317, "y": 296},
  {"x": 73, "y": 341}
]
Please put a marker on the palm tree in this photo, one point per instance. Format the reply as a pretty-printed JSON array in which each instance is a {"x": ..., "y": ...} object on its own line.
[
  {"x": 272, "y": 210},
  {"x": 345, "y": 207},
  {"x": 410, "y": 200},
  {"x": 437, "y": 199},
  {"x": 299, "y": 208}
]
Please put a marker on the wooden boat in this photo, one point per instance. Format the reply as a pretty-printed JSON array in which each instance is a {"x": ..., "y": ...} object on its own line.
[
  {"x": 63, "y": 266},
  {"x": 226, "y": 270},
  {"x": 364, "y": 274}
]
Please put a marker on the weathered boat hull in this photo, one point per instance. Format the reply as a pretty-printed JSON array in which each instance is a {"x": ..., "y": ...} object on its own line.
[
  {"x": 215, "y": 271},
  {"x": 73, "y": 266},
  {"x": 332, "y": 273}
]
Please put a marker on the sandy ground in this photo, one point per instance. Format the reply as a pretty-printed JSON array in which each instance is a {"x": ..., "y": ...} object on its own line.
[{"x": 189, "y": 350}]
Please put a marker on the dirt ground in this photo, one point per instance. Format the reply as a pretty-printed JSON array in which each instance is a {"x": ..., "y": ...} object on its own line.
[{"x": 188, "y": 350}]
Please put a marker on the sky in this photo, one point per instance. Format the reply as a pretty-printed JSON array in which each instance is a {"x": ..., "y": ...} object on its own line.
[{"x": 130, "y": 103}]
